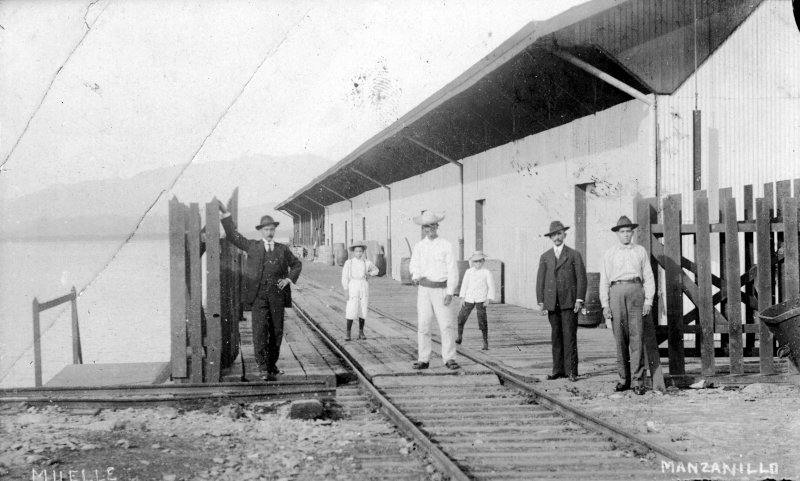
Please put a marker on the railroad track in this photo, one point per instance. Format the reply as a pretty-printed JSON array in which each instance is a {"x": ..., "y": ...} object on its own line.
[{"x": 499, "y": 426}]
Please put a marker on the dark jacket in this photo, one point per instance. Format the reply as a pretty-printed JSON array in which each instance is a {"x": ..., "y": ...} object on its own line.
[
  {"x": 290, "y": 265},
  {"x": 565, "y": 278}
]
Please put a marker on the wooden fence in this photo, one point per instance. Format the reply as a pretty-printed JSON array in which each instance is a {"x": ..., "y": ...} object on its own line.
[
  {"x": 757, "y": 267},
  {"x": 38, "y": 307},
  {"x": 204, "y": 339}
]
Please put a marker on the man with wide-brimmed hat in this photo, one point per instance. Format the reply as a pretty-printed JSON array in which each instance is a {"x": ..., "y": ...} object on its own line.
[
  {"x": 433, "y": 268},
  {"x": 627, "y": 288},
  {"x": 355, "y": 273},
  {"x": 270, "y": 270},
  {"x": 560, "y": 291}
]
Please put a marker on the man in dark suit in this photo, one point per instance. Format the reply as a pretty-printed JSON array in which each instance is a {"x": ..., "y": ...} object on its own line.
[
  {"x": 560, "y": 290},
  {"x": 270, "y": 269}
]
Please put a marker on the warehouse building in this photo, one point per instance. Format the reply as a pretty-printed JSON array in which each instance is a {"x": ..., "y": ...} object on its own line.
[{"x": 574, "y": 118}]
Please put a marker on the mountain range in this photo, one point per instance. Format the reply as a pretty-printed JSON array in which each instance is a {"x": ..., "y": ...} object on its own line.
[{"x": 112, "y": 208}]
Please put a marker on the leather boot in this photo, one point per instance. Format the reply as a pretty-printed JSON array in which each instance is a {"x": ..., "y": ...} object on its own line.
[
  {"x": 361, "y": 329},
  {"x": 460, "y": 332},
  {"x": 485, "y": 341},
  {"x": 349, "y": 326}
]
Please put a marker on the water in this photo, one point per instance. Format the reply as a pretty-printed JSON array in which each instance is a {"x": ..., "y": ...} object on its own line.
[{"x": 123, "y": 313}]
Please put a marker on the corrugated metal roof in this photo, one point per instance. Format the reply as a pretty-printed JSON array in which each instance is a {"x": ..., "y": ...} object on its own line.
[{"x": 521, "y": 88}]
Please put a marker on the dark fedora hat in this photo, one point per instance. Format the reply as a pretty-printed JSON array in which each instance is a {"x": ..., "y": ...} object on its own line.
[
  {"x": 624, "y": 221},
  {"x": 265, "y": 221},
  {"x": 556, "y": 226}
]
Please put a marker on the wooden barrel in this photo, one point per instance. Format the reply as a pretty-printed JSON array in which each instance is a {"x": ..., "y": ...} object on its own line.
[
  {"x": 405, "y": 273},
  {"x": 325, "y": 255},
  {"x": 339, "y": 253},
  {"x": 375, "y": 255},
  {"x": 592, "y": 313}
]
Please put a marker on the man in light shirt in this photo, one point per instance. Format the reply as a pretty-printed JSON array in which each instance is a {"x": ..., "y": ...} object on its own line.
[
  {"x": 477, "y": 290},
  {"x": 627, "y": 288},
  {"x": 560, "y": 291},
  {"x": 433, "y": 268}
]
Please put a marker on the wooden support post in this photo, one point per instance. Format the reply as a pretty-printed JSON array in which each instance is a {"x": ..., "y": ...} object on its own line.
[
  {"x": 791, "y": 271},
  {"x": 225, "y": 260},
  {"x": 769, "y": 201},
  {"x": 77, "y": 354},
  {"x": 37, "y": 345},
  {"x": 213, "y": 293},
  {"x": 674, "y": 278},
  {"x": 764, "y": 282},
  {"x": 652, "y": 357},
  {"x": 783, "y": 190},
  {"x": 733, "y": 287},
  {"x": 195, "y": 294},
  {"x": 705, "y": 306},
  {"x": 749, "y": 261},
  {"x": 235, "y": 279},
  {"x": 722, "y": 198},
  {"x": 177, "y": 293}
]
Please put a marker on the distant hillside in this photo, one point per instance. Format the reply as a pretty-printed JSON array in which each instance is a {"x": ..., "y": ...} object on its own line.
[{"x": 112, "y": 208}]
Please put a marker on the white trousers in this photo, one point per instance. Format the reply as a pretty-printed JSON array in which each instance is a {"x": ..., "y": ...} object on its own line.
[
  {"x": 357, "y": 296},
  {"x": 430, "y": 304}
]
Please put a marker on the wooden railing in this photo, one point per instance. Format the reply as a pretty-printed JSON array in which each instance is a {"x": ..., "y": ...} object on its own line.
[
  {"x": 38, "y": 307},
  {"x": 757, "y": 262},
  {"x": 204, "y": 339}
]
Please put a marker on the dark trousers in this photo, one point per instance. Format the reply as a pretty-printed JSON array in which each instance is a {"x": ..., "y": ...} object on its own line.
[
  {"x": 564, "y": 338},
  {"x": 267, "y": 320},
  {"x": 464, "y": 313},
  {"x": 626, "y": 302}
]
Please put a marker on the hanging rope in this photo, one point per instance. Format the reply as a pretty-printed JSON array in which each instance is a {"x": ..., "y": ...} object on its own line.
[
  {"x": 170, "y": 185},
  {"x": 55, "y": 76}
]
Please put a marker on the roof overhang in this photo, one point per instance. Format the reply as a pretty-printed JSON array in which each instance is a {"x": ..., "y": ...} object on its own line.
[{"x": 524, "y": 87}]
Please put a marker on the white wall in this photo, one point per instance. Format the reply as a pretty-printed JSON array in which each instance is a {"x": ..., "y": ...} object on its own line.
[
  {"x": 529, "y": 183},
  {"x": 526, "y": 185},
  {"x": 749, "y": 96}
]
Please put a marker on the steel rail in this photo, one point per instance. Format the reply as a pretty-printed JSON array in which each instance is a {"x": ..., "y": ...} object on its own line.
[
  {"x": 523, "y": 383},
  {"x": 570, "y": 412},
  {"x": 449, "y": 467},
  {"x": 133, "y": 395}
]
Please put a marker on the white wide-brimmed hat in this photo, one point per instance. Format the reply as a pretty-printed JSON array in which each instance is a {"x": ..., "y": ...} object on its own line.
[
  {"x": 358, "y": 244},
  {"x": 478, "y": 255},
  {"x": 428, "y": 217}
]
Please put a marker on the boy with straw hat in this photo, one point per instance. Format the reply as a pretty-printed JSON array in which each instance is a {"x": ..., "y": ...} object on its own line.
[
  {"x": 477, "y": 290},
  {"x": 355, "y": 273}
]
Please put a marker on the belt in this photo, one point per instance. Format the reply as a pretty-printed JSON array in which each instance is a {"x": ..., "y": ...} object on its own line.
[
  {"x": 635, "y": 280},
  {"x": 426, "y": 283}
]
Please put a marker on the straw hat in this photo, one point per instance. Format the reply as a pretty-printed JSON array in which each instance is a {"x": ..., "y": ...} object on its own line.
[
  {"x": 428, "y": 217},
  {"x": 358, "y": 244},
  {"x": 477, "y": 255}
]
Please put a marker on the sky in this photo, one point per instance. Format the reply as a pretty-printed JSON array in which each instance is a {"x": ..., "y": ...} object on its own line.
[{"x": 164, "y": 83}]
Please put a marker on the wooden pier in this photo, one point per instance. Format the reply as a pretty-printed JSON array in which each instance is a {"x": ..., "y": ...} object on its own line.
[{"x": 519, "y": 338}]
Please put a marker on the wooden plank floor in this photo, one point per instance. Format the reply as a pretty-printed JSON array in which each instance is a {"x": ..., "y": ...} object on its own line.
[
  {"x": 303, "y": 355},
  {"x": 519, "y": 338},
  {"x": 131, "y": 373}
]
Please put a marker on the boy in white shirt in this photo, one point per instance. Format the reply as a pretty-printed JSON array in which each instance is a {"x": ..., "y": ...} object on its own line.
[
  {"x": 355, "y": 272},
  {"x": 477, "y": 290}
]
